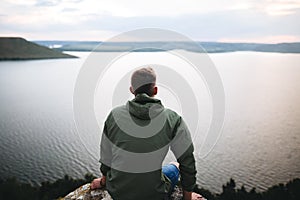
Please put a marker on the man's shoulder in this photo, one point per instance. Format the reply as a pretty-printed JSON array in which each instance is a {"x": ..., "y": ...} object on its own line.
[
  {"x": 115, "y": 112},
  {"x": 173, "y": 118},
  {"x": 119, "y": 108},
  {"x": 172, "y": 113}
]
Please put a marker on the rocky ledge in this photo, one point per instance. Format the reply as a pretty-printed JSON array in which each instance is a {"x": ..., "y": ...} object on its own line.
[{"x": 85, "y": 193}]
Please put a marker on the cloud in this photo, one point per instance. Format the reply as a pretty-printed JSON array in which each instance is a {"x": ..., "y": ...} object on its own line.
[
  {"x": 212, "y": 26},
  {"x": 47, "y": 2},
  {"x": 208, "y": 20},
  {"x": 278, "y": 7}
]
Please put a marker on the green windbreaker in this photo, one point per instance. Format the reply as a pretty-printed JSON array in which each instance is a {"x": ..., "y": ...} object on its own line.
[{"x": 135, "y": 141}]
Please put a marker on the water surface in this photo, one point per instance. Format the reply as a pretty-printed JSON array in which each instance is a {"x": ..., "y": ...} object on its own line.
[{"x": 259, "y": 145}]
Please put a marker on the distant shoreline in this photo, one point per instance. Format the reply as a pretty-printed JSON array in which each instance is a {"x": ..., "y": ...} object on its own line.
[
  {"x": 19, "y": 49},
  {"x": 199, "y": 47}
]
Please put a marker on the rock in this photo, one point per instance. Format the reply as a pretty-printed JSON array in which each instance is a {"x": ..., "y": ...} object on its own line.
[{"x": 85, "y": 193}]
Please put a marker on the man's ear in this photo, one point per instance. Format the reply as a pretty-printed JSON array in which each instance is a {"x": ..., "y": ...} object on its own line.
[
  {"x": 131, "y": 89},
  {"x": 155, "y": 90}
]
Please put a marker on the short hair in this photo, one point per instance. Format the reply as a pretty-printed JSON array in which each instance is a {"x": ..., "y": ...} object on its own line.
[{"x": 143, "y": 81}]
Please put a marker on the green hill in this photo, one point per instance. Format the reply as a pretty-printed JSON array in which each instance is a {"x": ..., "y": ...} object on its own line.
[{"x": 15, "y": 48}]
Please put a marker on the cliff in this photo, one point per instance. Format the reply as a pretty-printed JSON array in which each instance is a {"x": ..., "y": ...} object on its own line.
[
  {"x": 15, "y": 48},
  {"x": 84, "y": 193}
]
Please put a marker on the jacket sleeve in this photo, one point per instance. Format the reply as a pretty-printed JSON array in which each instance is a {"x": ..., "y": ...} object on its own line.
[
  {"x": 182, "y": 147},
  {"x": 105, "y": 152}
]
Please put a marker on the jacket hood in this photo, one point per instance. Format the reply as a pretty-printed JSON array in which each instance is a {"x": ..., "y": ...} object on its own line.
[{"x": 144, "y": 107}]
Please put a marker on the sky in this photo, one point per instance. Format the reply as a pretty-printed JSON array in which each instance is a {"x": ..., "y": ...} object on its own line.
[{"x": 263, "y": 21}]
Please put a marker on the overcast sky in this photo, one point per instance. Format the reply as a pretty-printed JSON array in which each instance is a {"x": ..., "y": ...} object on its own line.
[{"x": 268, "y": 21}]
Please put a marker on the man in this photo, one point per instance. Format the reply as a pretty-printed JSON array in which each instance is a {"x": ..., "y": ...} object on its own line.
[{"x": 144, "y": 127}]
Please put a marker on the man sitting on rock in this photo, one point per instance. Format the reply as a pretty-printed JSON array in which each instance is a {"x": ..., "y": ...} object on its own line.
[{"x": 135, "y": 140}]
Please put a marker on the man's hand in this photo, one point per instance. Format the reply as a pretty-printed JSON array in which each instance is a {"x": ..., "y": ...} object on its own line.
[
  {"x": 98, "y": 183},
  {"x": 192, "y": 196},
  {"x": 197, "y": 196}
]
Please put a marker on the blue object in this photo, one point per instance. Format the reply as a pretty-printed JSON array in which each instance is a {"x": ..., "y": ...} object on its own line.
[{"x": 172, "y": 172}]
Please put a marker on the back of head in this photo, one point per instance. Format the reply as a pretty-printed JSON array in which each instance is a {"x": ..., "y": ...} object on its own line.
[{"x": 143, "y": 81}]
